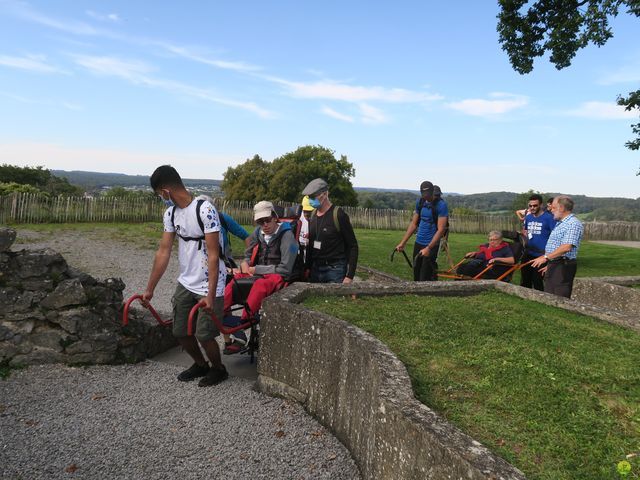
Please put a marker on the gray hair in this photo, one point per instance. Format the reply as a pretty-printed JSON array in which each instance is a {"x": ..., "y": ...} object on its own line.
[
  {"x": 495, "y": 233},
  {"x": 566, "y": 201}
]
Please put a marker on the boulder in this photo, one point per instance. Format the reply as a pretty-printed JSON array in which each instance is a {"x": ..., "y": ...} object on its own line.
[
  {"x": 68, "y": 292},
  {"x": 7, "y": 237}
]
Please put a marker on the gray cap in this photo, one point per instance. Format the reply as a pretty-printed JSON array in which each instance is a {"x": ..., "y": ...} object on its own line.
[{"x": 317, "y": 185}]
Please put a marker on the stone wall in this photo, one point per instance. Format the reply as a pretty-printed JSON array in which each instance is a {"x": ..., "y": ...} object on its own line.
[
  {"x": 613, "y": 293},
  {"x": 354, "y": 385},
  {"x": 52, "y": 313}
]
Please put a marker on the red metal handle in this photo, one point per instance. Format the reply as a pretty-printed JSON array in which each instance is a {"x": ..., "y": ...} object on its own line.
[
  {"x": 221, "y": 327},
  {"x": 125, "y": 312}
]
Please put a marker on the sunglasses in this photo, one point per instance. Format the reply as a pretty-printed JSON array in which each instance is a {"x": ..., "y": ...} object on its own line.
[{"x": 263, "y": 221}]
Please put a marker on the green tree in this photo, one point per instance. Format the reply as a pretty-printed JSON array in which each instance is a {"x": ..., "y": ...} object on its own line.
[
  {"x": 40, "y": 178},
  {"x": 36, "y": 176},
  {"x": 561, "y": 27},
  {"x": 248, "y": 181},
  {"x": 522, "y": 199},
  {"x": 285, "y": 177},
  {"x": 13, "y": 187}
]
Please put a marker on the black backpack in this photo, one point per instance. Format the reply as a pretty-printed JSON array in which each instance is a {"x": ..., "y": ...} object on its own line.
[
  {"x": 434, "y": 212},
  {"x": 229, "y": 263}
]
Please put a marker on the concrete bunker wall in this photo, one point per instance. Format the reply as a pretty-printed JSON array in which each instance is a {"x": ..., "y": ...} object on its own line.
[{"x": 354, "y": 385}]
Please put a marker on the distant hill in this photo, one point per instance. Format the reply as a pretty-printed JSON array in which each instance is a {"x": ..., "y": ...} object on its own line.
[
  {"x": 97, "y": 180},
  {"x": 589, "y": 208}
]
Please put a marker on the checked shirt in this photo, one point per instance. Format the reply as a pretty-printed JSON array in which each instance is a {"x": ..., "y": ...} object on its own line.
[{"x": 567, "y": 231}]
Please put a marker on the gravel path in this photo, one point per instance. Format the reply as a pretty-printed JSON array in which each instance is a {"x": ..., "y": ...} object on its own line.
[
  {"x": 104, "y": 258},
  {"x": 138, "y": 421}
]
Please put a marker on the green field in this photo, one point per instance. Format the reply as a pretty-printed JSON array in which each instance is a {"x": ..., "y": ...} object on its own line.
[
  {"x": 553, "y": 392},
  {"x": 594, "y": 259}
]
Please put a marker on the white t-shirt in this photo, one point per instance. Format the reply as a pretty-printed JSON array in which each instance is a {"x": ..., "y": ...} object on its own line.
[
  {"x": 194, "y": 267},
  {"x": 304, "y": 231}
]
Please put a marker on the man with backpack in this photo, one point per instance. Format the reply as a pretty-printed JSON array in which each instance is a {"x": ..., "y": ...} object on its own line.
[
  {"x": 430, "y": 218},
  {"x": 332, "y": 254},
  {"x": 270, "y": 257},
  {"x": 202, "y": 272}
]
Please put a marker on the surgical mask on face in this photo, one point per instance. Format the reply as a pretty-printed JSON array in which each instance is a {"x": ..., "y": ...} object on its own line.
[
  {"x": 314, "y": 202},
  {"x": 168, "y": 202}
]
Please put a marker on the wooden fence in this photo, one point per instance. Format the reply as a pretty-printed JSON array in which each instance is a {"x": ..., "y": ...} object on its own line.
[{"x": 21, "y": 208}]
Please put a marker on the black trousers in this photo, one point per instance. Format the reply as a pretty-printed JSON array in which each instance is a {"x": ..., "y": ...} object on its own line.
[
  {"x": 529, "y": 276},
  {"x": 559, "y": 277},
  {"x": 425, "y": 268}
]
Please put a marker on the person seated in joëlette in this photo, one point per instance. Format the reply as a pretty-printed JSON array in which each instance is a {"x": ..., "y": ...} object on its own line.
[
  {"x": 497, "y": 253},
  {"x": 270, "y": 257}
]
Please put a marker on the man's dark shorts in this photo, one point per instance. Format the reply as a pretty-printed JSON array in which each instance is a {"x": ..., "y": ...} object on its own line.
[{"x": 182, "y": 302}]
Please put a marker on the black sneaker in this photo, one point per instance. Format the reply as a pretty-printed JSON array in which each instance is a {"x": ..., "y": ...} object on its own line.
[
  {"x": 215, "y": 376},
  {"x": 193, "y": 372}
]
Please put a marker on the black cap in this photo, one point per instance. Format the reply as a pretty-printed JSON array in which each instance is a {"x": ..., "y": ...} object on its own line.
[{"x": 426, "y": 187}]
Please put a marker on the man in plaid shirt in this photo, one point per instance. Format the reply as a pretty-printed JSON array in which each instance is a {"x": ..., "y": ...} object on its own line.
[{"x": 561, "y": 251}]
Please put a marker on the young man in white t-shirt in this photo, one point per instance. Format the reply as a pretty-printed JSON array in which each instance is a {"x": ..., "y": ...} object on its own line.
[{"x": 202, "y": 272}]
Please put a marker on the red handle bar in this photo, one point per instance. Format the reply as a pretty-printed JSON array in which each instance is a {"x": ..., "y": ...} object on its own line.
[
  {"x": 125, "y": 313},
  {"x": 223, "y": 329}
]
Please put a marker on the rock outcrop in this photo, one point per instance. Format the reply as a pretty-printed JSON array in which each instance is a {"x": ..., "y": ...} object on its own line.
[{"x": 51, "y": 313}]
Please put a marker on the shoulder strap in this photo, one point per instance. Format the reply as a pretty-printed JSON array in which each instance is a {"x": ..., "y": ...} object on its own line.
[
  {"x": 198, "y": 206},
  {"x": 223, "y": 222},
  {"x": 336, "y": 223},
  {"x": 434, "y": 211}
]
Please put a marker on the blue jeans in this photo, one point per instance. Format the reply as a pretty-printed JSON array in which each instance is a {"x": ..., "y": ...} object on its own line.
[{"x": 332, "y": 273}]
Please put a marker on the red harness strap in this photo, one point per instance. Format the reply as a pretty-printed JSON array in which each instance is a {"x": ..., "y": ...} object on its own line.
[{"x": 488, "y": 251}]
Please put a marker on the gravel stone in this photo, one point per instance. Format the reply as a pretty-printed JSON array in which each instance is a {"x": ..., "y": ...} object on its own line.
[{"x": 138, "y": 421}]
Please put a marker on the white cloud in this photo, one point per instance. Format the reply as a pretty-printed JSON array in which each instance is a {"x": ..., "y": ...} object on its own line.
[
  {"x": 31, "y": 63},
  {"x": 333, "y": 90},
  {"x": 499, "y": 104},
  {"x": 192, "y": 54},
  {"x": 137, "y": 73},
  {"x": 337, "y": 115},
  {"x": 104, "y": 17},
  {"x": 48, "y": 103},
  {"x": 602, "y": 111},
  {"x": 371, "y": 114},
  {"x": 26, "y": 12}
]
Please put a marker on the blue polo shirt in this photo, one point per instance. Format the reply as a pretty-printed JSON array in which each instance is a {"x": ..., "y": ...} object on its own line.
[
  {"x": 427, "y": 228},
  {"x": 568, "y": 231},
  {"x": 538, "y": 231}
]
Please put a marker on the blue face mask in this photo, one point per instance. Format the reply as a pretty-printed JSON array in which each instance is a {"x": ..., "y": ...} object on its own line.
[
  {"x": 314, "y": 202},
  {"x": 168, "y": 203}
]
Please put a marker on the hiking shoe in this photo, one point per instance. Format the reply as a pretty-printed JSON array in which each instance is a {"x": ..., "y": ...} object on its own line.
[
  {"x": 193, "y": 372},
  {"x": 215, "y": 376}
]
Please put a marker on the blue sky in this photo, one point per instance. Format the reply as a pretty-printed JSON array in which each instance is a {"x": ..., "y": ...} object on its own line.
[{"x": 408, "y": 91}]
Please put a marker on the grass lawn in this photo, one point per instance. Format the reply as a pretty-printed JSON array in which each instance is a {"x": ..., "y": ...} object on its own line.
[
  {"x": 375, "y": 247},
  {"x": 555, "y": 393},
  {"x": 594, "y": 259}
]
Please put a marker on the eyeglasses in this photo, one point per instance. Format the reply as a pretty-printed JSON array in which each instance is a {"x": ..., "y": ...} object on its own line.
[{"x": 263, "y": 221}]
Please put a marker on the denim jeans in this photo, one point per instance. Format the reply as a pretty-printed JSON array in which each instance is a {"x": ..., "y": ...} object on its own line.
[{"x": 332, "y": 273}]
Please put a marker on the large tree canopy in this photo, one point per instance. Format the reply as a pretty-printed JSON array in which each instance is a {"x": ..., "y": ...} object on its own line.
[
  {"x": 561, "y": 27},
  {"x": 285, "y": 177},
  {"x": 38, "y": 178}
]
